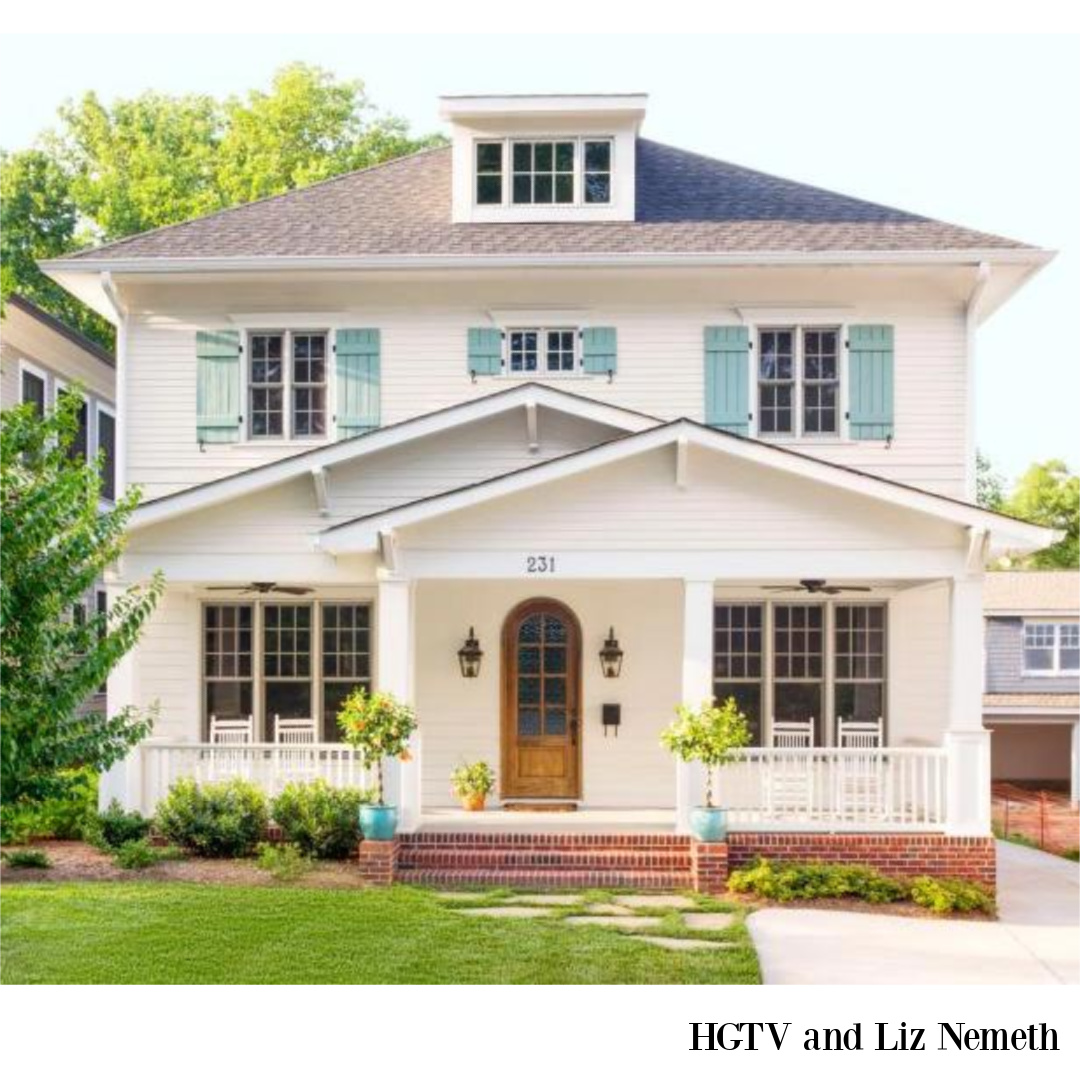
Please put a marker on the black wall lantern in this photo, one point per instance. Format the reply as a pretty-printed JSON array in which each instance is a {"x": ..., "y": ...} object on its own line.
[
  {"x": 611, "y": 656},
  {"x": 469, "y": 656}
]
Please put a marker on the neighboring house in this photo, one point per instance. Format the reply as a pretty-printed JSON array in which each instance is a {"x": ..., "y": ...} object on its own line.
[
  {"x": 1032, "y": 701},
  {"x": 549, "y": 385},
  {"x": 39, "y": 358}
]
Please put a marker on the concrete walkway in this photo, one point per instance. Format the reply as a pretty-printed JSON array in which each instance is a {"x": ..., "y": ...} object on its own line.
[{"x": 1035, "y": 940}]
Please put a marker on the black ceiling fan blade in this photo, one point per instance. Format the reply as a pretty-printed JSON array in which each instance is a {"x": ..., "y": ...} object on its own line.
[
  {"x": 852, "y": 588},
  {"x": 784, "y": 588}
]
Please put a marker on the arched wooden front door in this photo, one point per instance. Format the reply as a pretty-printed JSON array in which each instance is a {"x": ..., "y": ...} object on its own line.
[{"x": 541, "y": 702}]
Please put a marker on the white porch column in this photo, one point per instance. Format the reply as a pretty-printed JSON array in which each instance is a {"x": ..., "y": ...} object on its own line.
[
  {"x": 697, "y": 679},
  {"x": 1074, "y": 771},
  {"x": 394, "y": 674},
  {"x": 123, "y": 781},
  {"x": 967, "y": 741}
]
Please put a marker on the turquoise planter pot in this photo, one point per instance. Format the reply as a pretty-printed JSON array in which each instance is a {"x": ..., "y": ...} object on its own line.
[
  {"x": 709, "y": 824},
  {"x": 378, "y": 822}
]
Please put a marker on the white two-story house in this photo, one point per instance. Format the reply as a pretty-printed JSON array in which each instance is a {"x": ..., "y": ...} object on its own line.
[{"x": 556, "y": 389}]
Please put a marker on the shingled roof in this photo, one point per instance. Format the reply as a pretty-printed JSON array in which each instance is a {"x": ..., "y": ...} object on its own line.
[{"x": 686, "y": 204}]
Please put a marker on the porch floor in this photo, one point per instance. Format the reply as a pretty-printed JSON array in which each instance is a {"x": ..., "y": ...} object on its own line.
[{"x": 454, "y": 819}]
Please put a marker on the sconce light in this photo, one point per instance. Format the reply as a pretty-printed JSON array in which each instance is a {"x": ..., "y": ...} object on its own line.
[
  {"x": 611, "y": 656},
  {"x": 469, "y": 656}
]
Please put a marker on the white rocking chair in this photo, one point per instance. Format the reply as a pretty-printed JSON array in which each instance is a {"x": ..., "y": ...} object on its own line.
[
  {"x": 790, "y": 787},
  {"x": 233, "y": 735},
  {"x": 293, "y": 735},
  {"x": 860, "y": 787}
]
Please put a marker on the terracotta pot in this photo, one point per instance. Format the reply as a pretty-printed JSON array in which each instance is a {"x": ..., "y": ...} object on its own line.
[{"x": 473, "y": 802}]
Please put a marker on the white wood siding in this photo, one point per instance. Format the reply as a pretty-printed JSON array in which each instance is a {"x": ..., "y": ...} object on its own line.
[
  {"x": 919, "y": 665},
  {"x": 167, "y": 666},
  {"x": 660, "y": 371}
]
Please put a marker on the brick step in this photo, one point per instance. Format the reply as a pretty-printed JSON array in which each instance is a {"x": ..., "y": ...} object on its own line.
[
  {"x": 547, "y": 841},
  {"x": 644, "y": 880},
  {"x": 507, "y": 857}
]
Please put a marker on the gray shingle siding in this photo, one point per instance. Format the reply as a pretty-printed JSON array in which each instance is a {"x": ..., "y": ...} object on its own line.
[{"x": 1005, "y": 662}]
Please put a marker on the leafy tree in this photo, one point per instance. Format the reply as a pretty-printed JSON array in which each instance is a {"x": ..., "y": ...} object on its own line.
[
  {"x": 39, "y": 222},
  {"x": 56, "y": 544},
  {"x": 989, "y": 483},
  {"x": 111, "y": 170},
  {"x": 1049, "y": 494}
]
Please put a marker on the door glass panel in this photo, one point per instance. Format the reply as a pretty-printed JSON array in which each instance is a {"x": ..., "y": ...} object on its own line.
[
  {"x": 542, "y": 672},
  {"x": 555, "y": 660},
  {"x": 554, "y": 630},
  {"x": 529, "y": 661},
  {"x": 529, "y": 691},
  {"x": 555, "y": 722},
  {"x": 528, "y": 722},
  {"x": 555, "y": 691},
  {"x": 530, "y": 630}
]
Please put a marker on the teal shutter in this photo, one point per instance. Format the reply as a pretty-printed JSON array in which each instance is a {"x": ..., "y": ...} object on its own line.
[
  {"x": 485, "y": 350},
  {"x": 870, "y": 382},
  {"x": 356, "y": 358},
  {"x": 217, "y": 395},
  {"x": 727, "y": 375},
  {"x": 599, "y": 352}
]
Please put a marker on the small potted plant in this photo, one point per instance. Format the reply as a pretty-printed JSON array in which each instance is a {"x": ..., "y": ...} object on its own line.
[
  {"x": 472, "y": 784},
  {"x": 711, "y": 735},
  {"x": 378, "y": 726}
]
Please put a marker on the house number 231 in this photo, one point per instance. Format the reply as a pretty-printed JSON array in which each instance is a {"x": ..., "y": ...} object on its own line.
[{"x": 540, "y": 564}]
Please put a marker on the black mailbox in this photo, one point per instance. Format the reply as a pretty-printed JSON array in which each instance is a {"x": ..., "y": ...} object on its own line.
[{"x": 612, "y": 718}]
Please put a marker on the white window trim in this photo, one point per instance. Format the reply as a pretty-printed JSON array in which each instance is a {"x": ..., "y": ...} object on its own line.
[
  {"x": 258, "y": 677},
  {"x": 542, "y": 372},
  {"x": 507, "y": 143},
  {"x": 798, "y": 327},
  {"x": 287, "y": 438},
  {"x": 37, "y": 372},
  {"x": 99, "y": 408},
  {"x": 1057, "y": 671}
]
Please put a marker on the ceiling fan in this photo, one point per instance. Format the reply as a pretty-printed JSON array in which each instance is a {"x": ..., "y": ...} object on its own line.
[
  {"x": 817, "y": 586},
  {"x": 262, "y": 588}
]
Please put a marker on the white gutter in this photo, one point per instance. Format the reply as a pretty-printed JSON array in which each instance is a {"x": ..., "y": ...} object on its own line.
[
  {"x": 150, "y": 265},
  {"x": 112, "y": 295}
]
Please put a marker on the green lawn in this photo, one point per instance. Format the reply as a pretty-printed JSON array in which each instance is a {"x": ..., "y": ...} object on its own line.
[{"x": 154, "y": 933}]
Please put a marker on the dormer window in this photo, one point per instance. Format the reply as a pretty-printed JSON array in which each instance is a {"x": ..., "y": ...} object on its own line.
[{"x": 544, "y": 172}]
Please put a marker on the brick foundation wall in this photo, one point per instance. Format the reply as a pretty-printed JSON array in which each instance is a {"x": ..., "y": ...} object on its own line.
[
  {"x": 378, "y": 861},
  {"x": 897, "y": 854},
  {"x": 709, "y": 867}
]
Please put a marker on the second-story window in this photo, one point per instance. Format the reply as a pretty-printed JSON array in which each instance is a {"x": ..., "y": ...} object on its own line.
[
  {"x": 567, "y": 171},
  {"x": 1051, "y": 648},
  {"x": 287, "y": 385},
  {"x": 489, "y": 173},
  {"x": 798, "y": 378},
  {"x": 542, "y": 350},
  {"x": 543, "y": 172},
  {"x": 106, "y": 444}
]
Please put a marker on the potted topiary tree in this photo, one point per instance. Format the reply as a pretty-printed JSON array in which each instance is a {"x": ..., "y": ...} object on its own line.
[
  {"x": 711, "y": 735},
  {"x": 378, "y": 726},
  {"x": 472, "y": 784}
]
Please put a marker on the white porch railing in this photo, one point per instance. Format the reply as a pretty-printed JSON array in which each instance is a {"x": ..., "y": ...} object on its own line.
[
  {"x": 892, "y": 788},
  {"x": 269, "y": 765}
]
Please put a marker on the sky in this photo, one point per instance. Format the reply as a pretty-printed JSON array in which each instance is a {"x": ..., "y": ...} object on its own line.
[{"x": 973, "y": 130}]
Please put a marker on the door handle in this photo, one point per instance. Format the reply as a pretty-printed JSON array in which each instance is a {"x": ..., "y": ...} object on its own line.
[{"x": 573, "y": 730}]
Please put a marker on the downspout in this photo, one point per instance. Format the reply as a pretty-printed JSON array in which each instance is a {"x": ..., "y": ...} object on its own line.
[
  {"x": 971, "y": 319},
  {"x": 112, "y": 294}
]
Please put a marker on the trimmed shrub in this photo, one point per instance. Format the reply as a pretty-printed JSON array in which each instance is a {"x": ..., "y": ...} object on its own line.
[
  {"x": 136, "y": 855},
  {"x": 944, "y": 895},
  {"x": 285, "y": 861},
  {"x": 222, "y": 820},
  {"x": 27, "y": 859},
  {"x": 69, "y": 817},
  {"x": 322, "y": 821},
  {"x": 816, "y": 881},
  {"x": 117, "y": 826}
]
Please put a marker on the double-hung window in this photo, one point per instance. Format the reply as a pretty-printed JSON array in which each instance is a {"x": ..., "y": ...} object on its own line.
[
  {"x": 228, "y": 671},
  {"x": 798, "y": 378},
  {"x": 32, "y": 389},
  {"x": 738, "y": 663},
  {"x": 550, "y": 351},
  {"x": 799, "y": 664},
  {"x": 287, "y": 668},
  {"x": 860, "y": 662},
  {"x": 106, "y": 446},
  {"x": 1051, "y": 648},
  {"x": 287, "y": 385},
  {"x": 346, "y": 659},
  {"x": 543, "y": 172}
]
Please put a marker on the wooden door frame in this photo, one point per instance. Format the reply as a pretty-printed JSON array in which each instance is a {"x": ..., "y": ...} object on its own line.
[{"x": 508, "y": 683}]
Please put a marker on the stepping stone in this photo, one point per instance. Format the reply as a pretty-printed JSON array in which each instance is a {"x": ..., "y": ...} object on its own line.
[
  {"x": 549, "y": 900},
  {"x": 708, "y": 920},
  {"x": 516, "y": 911},
  {"x": 670, "y": 902},
  {"x": 676, "y": 944},
  {"x": 608, "y": 909},
  {"x": 622, "y": 922}
]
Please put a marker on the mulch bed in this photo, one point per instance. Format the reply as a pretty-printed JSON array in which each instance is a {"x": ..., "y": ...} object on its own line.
[{"x": 73, "y": 860}]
